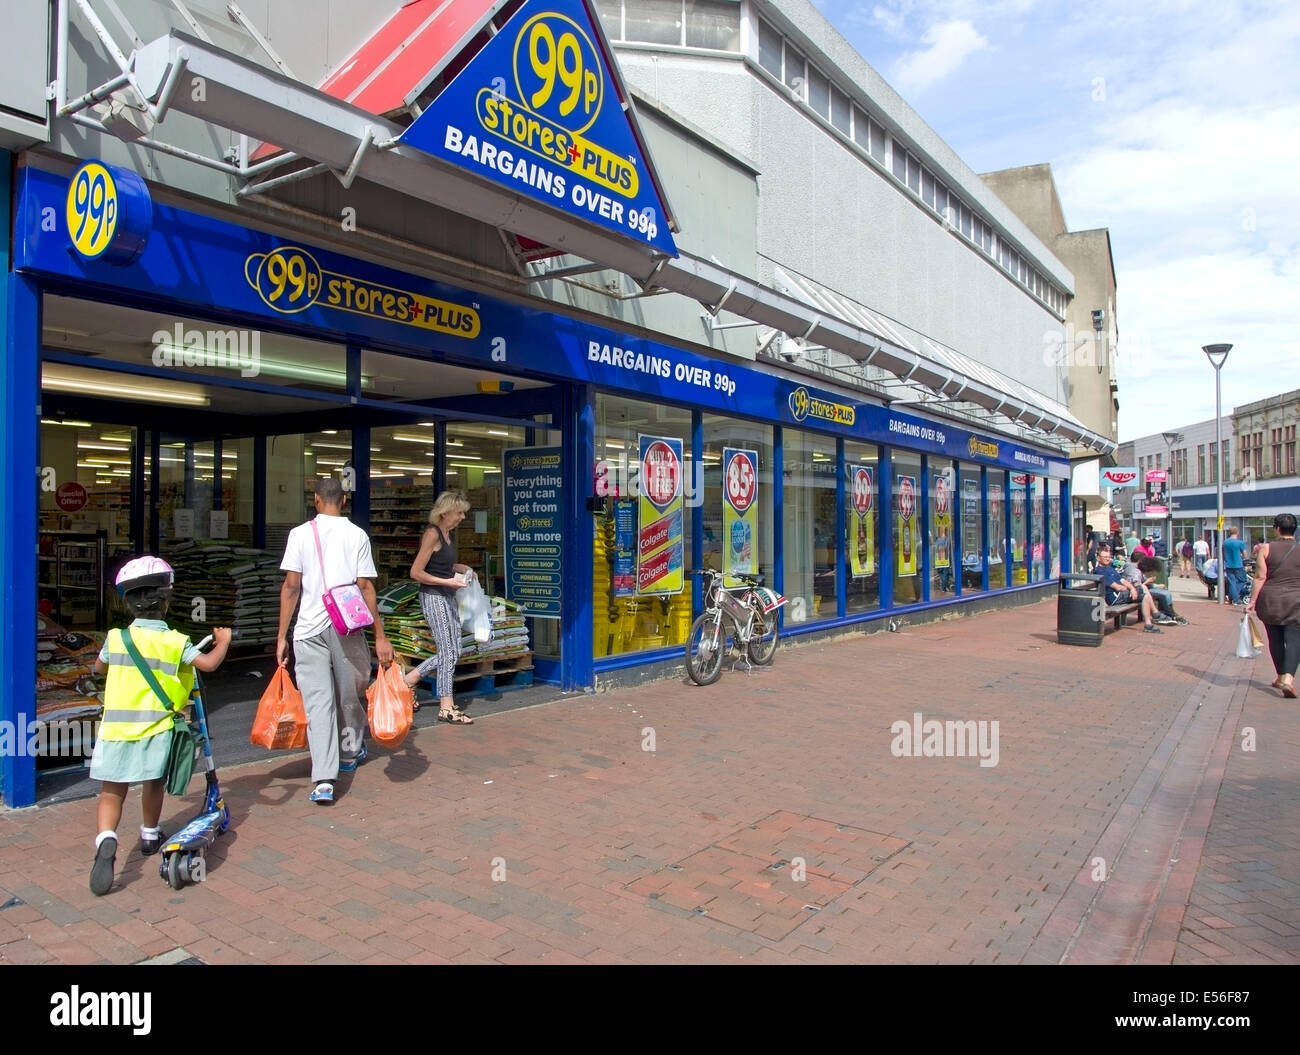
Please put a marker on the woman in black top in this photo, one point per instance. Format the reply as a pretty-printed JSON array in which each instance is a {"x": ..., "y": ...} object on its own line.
[
  {"x": 439, "y": 576},
  {"x": 1276, "y": 598}
]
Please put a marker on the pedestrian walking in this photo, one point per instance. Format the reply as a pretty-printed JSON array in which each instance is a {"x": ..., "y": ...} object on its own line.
[
  {"x": 440, "y": 577},
  {"x": 1201, "y": 552},
  {"x": 1276, "y": 600},
  {"x": 150, "y": 675},
  {"x": 1185, "y": 559},
  {"x": 1234, "y": 567},
  {"x": 332, "y": 668}
]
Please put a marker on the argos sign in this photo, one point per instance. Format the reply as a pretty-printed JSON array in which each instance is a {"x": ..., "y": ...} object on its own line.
[{"x": 1119, "y": 476}]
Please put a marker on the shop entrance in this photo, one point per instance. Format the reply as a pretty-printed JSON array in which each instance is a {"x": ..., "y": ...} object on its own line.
[{"x": 211, "y": 470}]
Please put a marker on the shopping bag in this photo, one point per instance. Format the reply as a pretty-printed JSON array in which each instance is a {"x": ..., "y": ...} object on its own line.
[
  {"x": 390, "y": 706},
  {"x": 475, "y": 611},
  {"x": 281, "y": 722},
  {"x": 1256, "y": 634},
  {"x": 1245, "y": 646}
]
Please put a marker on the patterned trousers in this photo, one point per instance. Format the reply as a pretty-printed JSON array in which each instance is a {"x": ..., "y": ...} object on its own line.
[{"x": 444, "y": 621}]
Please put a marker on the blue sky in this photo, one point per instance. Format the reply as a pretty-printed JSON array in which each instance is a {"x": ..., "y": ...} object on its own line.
[{"x": 1174, "y": 124}]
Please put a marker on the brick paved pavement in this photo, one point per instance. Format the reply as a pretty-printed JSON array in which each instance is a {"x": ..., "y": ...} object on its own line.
[{"x": 770, "y": 823}]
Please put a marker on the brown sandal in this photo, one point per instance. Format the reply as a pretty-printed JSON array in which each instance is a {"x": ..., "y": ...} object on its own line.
[{"x": 455, "y": 716}]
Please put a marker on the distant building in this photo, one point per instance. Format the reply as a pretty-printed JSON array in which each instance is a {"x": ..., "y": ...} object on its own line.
[
  {"x": 1258, "y": 465},
  {"x": 1086, "y": 343}
]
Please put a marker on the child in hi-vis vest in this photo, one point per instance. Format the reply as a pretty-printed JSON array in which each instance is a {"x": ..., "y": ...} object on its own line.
[{"x": 136, "y": 730}]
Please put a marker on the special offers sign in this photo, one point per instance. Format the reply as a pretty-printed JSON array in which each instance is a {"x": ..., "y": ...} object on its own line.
[{"x": 538, "y": 112}]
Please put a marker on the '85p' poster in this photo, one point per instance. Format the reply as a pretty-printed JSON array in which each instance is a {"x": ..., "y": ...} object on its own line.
[{"x": 739, "y": 514}]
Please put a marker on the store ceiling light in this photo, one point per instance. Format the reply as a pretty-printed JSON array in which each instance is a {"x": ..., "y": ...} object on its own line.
[
  {"x": 116, "y": 438},
  {"x": 413, "y": 468},
  {"x": 82, "y": 445},
  {"x": 72, "y": 424},
  {"x": 410, "y": 439},
  {"x": 497, "y": 432},
  {"x": 94, "y": 382}
]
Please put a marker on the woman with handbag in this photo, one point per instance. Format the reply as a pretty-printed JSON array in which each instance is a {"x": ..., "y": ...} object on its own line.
[
  {"x": 1276, "y": 600},
  {"x": 440, "y": 577}
]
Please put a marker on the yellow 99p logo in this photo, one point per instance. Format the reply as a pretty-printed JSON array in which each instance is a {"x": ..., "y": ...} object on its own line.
[{"x": 92, "y": 209}]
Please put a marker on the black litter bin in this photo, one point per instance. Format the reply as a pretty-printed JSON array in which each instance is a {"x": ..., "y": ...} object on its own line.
[{"x": 1080, "y": 610}]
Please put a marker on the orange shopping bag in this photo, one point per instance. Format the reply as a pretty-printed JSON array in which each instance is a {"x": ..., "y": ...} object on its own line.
[
  {"x": 391, "y": 706},
  {"x": 281, "y": 722}
]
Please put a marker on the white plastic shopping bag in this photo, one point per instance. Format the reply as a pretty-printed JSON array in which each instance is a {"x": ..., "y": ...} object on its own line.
[
  {"x": 1245, "y": 645},
  {"x": 475, "y": 611}
]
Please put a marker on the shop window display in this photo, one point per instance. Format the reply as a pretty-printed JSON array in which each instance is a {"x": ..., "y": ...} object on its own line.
[
  {"x": 862, "y": 526},
  {"x": 811, "y": 551},
  {"x": 972, "y": 530},
  {"x": 998, "y": 556},
  {"x": 945, "y": 550},
  {"x": 642, "y": 533},
  {"x": 905, "y": 506}
]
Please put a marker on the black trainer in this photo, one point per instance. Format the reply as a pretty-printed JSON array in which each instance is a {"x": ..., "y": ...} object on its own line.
[
  {"x": 150, "y": 845},
  {"x": 101, "y": 872}
]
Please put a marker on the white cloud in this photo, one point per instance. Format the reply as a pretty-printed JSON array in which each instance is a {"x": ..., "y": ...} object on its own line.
[
  {"x": 1169, "y": 310},
  {"x": 948, "y": 45}
]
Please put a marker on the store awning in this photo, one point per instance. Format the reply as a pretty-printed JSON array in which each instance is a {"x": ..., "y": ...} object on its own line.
[
  {"x": 267, "y": 105},
  {"x": 387, "y": 73}
]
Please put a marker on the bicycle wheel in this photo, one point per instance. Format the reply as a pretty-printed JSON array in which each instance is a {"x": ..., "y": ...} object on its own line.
[
  {"x": 762, "y": 642},
  {"x": 704, "y": 649}
]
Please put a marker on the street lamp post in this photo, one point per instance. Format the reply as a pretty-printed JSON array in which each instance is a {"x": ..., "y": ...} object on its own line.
[
  {"x": 1171, "y": 440},
  {"x": 1217, "y": 353}
]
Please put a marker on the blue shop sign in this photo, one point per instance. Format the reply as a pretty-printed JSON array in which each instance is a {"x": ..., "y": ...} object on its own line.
[
  {"x": 213, "y": 266},
  {"x": 108, "y": 213},
  {"x": 538, "y": 111},
  {"x": 533, "y": 495}
]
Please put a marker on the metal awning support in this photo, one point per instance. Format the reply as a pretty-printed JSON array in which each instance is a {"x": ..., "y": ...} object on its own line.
[{"x": 267, "y": 105}]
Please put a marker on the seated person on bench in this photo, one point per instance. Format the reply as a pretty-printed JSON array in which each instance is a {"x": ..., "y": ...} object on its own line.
[
  {"x": 1149, "y": 568},
  {"x": 1210, "y": 573},
  {"x": 1121, "y": 591}
]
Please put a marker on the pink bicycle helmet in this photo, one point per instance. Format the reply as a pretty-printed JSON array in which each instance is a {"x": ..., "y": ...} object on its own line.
[{"x": 142, "y": 573}]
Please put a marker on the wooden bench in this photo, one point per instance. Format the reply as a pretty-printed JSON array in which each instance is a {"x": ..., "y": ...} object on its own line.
[{"x": 1120, "y": 612}]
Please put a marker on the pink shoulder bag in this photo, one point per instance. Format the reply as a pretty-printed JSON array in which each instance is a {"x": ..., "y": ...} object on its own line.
[{"x": 344, "y": 604}]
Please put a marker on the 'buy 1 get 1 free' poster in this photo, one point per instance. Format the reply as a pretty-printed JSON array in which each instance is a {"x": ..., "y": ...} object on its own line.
[{"x": 660, "y": 536}]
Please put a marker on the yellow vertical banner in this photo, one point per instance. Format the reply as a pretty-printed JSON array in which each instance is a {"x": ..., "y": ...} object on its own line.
[
  {"x": 905, "y": 522},
  {"x": 941, "y": 555},
  {"x": 661, "y": 536},
  {"x": 739, "y": 514},
  {"x": 862, "y": 522}
]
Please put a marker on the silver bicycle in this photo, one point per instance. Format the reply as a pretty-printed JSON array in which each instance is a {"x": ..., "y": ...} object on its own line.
[{"x": 743, "y": 620}]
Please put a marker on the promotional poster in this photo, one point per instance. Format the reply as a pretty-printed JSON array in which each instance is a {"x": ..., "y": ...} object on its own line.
[
  {"x": 661, "y": 537},
  {"x": 862, "y": 526},
  {"x": 739, "y": 514}
]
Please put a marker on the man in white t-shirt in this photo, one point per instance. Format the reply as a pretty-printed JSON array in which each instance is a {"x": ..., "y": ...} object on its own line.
[
  {"x": 1201, "y": 550},
  {"x": 324, "y": 658}
]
